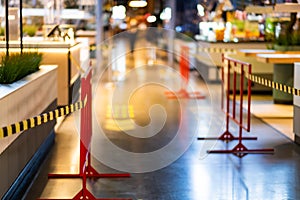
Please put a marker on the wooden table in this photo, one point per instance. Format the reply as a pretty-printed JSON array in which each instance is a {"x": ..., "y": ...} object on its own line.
[
  {"x": 254, "y": 52},
  {"x": 279, "y": 58},
  {"x": 283, "y": 72}
]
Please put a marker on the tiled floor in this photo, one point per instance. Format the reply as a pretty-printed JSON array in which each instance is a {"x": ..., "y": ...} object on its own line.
[
  {"x": 278, "y": 116},
  {"x": 138, "y": 130}
]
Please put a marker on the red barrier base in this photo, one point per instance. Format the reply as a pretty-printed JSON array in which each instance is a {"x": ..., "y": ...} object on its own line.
[
  {"x": 90, "y": 173},
  {"x": 183, "y": 94},
  {"x": 240, "y": 150},
  {"x": 84, "y": 194},
  {"x": 227, "y": 137}
]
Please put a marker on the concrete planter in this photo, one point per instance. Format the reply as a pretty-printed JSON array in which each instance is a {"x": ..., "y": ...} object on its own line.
[{"x": 28, "y": 97}]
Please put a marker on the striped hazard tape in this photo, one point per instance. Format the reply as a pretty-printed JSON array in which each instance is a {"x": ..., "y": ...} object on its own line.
[
  {"x": 200, "y": 49},
  {"x": 274, "y": 85},
  {"x": 101, "y": 47},
  {"x": 40, "y": 119},
  {"x": 268, "y": 83},
  {"x": 217, "y": 50}
]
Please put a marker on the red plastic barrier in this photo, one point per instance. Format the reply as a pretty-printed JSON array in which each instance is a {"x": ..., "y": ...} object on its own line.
[
  {"x": 184, "y": 65},
  {"x": 184, "y": 68},
  {"x": 234, "y": 109},
  {"x": 86, "y": 170},
  {"x": 231, "y": 113}
]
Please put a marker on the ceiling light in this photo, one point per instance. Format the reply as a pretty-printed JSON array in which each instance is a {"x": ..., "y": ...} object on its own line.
[
  {"x": 118, "y": 12},
  {"x": 201, "y": 10},
  {"x": 166, "y": 14},
  {"x": 138, "y": 3},
  {"x": 151, "y": 19}
]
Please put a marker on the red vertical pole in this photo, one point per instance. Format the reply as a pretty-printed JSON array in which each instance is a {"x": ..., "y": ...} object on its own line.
[
  {"x": 222, "y": 82},
  {"x": 83, "y": 129},
  {"x": 241, "y": 103},
  {"x": 86, "y": 123},
  {"x": 89, "y": 116},
  {"x": 184, "y": 65},
  {"x": 184, "y": 69},
  {"x": 249, "y": 98},
  {"x": 234, "y": 91},
  {"x": 84, "y": 183},
  {"x": 227, "y": 96}
]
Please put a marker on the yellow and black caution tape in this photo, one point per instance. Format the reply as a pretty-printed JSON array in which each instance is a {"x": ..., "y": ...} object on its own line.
[
  {"x": 217, "y": 50},
  {"x": 101, "y": 47},
  {"x": 200, "y": 49},
  {"x": 40, "y": 119},
  {"x": 274, "y": 85},
  {"x": 268, "y": 83},
  {"x": 93, "y": 48}
]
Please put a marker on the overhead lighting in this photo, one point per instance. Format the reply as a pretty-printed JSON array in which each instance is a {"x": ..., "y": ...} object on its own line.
[
  {"x": 201, "y": 10},
  {"x": 151, "y": 19},
  {"x": 11, "y": 17},
  {"x": 166, "y": 14},
  {"x": 118, "y": 12},
  {"x": 138, "y": 3}
]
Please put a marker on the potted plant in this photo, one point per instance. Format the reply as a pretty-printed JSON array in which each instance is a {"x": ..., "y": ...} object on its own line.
[{"x": 15, "y": 66}]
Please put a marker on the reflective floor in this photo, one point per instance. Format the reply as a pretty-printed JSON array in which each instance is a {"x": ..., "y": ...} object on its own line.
[{"x": 138, "y": 129}]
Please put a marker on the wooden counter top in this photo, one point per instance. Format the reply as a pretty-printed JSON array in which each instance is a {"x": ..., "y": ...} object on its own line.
[
  {"x": 278, "y": 58},
  {"x": 254, "y": 52}
]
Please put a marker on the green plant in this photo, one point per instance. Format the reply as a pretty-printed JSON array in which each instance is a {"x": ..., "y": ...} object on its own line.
[
  {"x": 30, "y": 30},
  {"x": 288, "y": 36},
  {"x": 16, "y": 66},
  {"x": 2, "y": 31},
  {"x": 286, "y": 40}
]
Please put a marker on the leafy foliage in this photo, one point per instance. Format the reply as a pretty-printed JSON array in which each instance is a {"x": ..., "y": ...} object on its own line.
[
  {"x": 29, "y": 30},
  {"x": 70, "y": 4},
  {"x": 2, "y": 31},
  {"x": 288, "y": 36},
  {"x": 16, "y": 66}
]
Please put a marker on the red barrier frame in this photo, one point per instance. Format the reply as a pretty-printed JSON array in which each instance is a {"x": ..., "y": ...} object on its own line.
[
  {"x": 86, "y": 170},
  {"x": 184, "y": 67},
  {"x": 227, "y": 136},
  {"x": 240, "y": 149}
]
